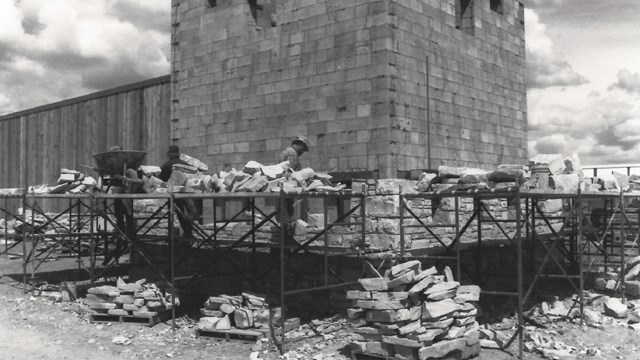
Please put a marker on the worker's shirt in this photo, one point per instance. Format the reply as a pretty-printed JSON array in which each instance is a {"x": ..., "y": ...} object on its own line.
[
  {"x": 167, "y": 168},
  {"x": 291, "y": 155}
]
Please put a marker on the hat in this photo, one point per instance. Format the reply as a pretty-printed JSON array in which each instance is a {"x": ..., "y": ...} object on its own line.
[
  {"x": 302, "y": 140},
  {"x": 173, "y": 150},
  {"x": 115, "y": 148}
]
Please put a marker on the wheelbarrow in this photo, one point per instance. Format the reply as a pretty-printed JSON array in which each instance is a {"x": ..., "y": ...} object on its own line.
[{"x": 112, "y": 166}]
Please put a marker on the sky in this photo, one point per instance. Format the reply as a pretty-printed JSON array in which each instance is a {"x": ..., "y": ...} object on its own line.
[{"x": 583, "y": 64}]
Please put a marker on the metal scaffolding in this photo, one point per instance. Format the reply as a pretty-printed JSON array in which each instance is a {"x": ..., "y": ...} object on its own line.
[{"x": 564, "y": 246}]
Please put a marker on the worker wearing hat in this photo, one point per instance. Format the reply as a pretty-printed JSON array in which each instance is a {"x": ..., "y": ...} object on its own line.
[
  {"x": 187, "y": 209},
  {"x": 299, "y": 146}
]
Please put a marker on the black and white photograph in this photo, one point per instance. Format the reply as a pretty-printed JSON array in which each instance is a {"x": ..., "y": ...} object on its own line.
[{"x": 320, "y": 179}]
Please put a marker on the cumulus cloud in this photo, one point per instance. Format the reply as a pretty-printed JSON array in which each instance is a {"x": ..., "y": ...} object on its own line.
[
  {"x": 51, "y": 50},
  {"x": 544, "y": 3},
  {"x": 544, "y": 67},
  {"x": 627, "y": 81},
  {"x": 602, "y": 129}
]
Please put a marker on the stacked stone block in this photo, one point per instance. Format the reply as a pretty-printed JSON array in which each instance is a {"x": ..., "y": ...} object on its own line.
[
  {"x": 247, "y": 311},
  {"x": 412, "y": 313},
  {"x": 138, "y": 299}
]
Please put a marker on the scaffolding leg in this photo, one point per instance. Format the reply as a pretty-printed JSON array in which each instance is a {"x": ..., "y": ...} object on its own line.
[
  {"x": 171, "y": 263},
  {"x": 519, "y": 271},
  {"x": 282, "y": 275}
]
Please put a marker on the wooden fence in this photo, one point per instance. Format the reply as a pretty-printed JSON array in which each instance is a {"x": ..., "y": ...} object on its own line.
[{"x": 36, "y": 143}]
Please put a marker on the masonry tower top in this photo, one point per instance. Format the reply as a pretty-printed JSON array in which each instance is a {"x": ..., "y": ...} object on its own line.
[{"x": 385, "y": 86}]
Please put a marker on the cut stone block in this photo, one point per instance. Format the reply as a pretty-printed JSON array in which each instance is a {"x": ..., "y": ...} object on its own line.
[
  {"x": 441, "y": 349},
  {"x": 118, "y": 312},
  {"x": 423, "y": 284},
  {"x": 227, "y": 308},
  {"x": 449, "y": 294},
  {"x": 100, "y": 298},
  {"x": 379, "y": 348},
  {"x": 104, "y": 290},
  {"x": 393, "y": 316},
  {"x": 254, "y": 299},
  {"x": 224, "y": 323},
  {"x": 448, "y": 274},
  {"x": 441, "y": 287},
  {"x": 388, "y": 296},
  {"x": 102, "y": 306},
  {"x": 358, "y": 295},
  {"x": 355, "y": 313},
  {"x": 145, "y": 314},
  {"x": 427, "y": 272},
  {"x": 400, "y": 269},
  {"x": 440, "y": 324},
  {"x": 429, "y": 336},
  {"x": 358, "y": 346},
  {"x": 243, "y": 318},
  {"x": 464, "y": 321},
  {"x": 381, "y": 304},
  {"x": 395, "y": 340},
  {"x": 490, "y": 344},
  {"x": 438, "y": 309},
  {"x": 614, "y": 308},
  {"x": 374, "y": 284},
  {"x": 455, "y": 332},
  {"x": 410, "y": 328},
  {"x": 207, "y": 323},
  {"x": 124, "y": 299},
  {"x": 403, "y": 279},
  {"x": 472, "y": 337},
  {"x": 131, "y": 307}
]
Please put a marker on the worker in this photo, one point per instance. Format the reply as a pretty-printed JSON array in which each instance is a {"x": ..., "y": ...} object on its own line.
[
  {"x": 122, "y": 208},
  {"x": 299, "y": 146},
  {"x": 187, "y": 209}
]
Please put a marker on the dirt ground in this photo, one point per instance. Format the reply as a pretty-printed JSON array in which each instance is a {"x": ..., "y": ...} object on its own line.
[{"x": 36, "y": 328}]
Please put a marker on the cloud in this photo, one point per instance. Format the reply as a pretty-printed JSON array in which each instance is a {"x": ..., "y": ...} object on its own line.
[
  {"x": 552, "y": 144},
  {"x": 544, "y": 67},
  {"x": 52, "y": 50},
  {"x": 627, "y": 81},
  {"x": 544, "y": 3},
  {"x": 602, "y": 129}
]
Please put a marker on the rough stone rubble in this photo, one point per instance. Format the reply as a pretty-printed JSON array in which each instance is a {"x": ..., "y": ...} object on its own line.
[{"x": 412, "y": 313}]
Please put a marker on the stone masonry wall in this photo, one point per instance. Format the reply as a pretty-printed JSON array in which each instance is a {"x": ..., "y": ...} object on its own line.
[
  {"x": 353, "y": 76},
  {"x": 476, "y": 82},
  {"x": 243, "y": 91}
]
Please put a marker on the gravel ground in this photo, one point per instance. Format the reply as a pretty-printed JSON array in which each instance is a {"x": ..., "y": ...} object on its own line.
[{"x": 36, "y": 328}]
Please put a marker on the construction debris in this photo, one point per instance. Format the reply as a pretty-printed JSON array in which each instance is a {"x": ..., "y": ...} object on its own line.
[{"x": 412, "y": 313}]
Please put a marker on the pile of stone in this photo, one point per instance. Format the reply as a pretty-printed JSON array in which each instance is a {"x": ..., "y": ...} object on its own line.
[
  {"x": 560, "y": 174},
  {"x": 246, "y": 311},
  {"x": 69, "y": 182},
  {"x": 255, "y": 177},
  {"x": 412, "y": 313},
  {"x": 138, "y": 299},
  {"x": 463, "y": 178}
]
